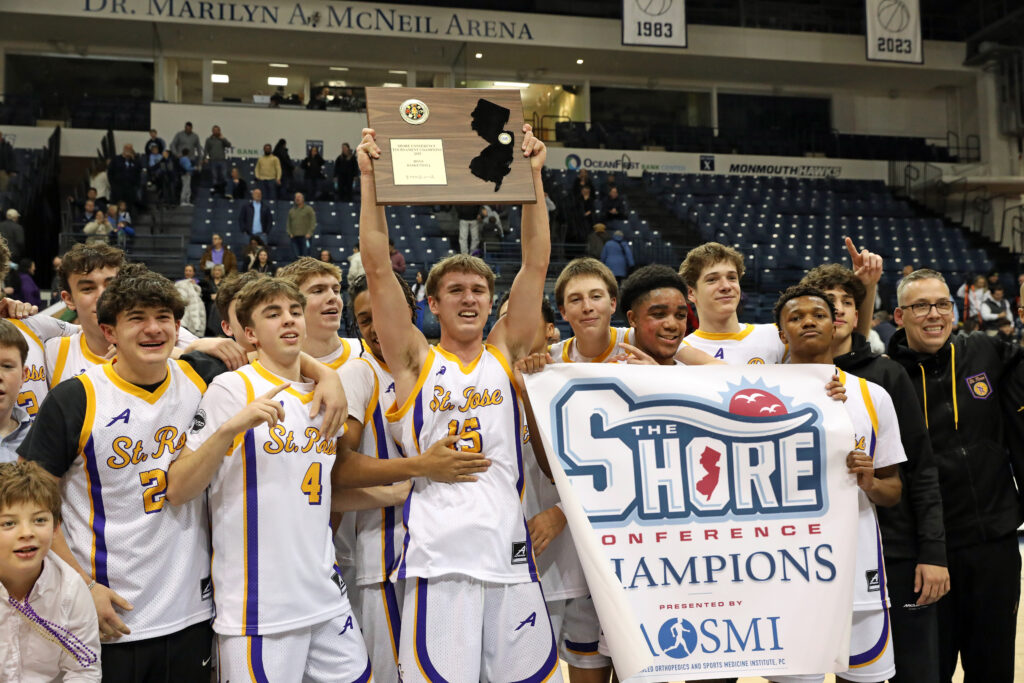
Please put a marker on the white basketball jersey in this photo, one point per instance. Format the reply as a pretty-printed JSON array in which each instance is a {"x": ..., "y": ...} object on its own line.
[
  {"x": 565, "y": 351},
  {"x": 35, "y": 388},
  {"x": 876, "y": 432},
  {"x": 350, "y": 349},
  {"x": 116, "y": 519},
  {"x": 379, "y": 533},
  {"x": 67, "y": 357},
  {"x": 270, "y": 505},
  {"x": 476, "y": 528},
  {"x": 561, "y": 574},
  {"x": 752, "y": 345}
]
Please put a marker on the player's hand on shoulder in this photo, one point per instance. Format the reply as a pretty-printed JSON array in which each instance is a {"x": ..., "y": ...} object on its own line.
[
  {"x": 227, "y": 350},
  {"x": 445, "y": 463},
  {"x": 544, "y": 527},
  {"x": 835, "y": 389},
  {"x": 263, "y": 409},
  {"x": 330, "y": 397},
  {"x": 535, "y": 150},
  {"x": 107, "y": 603},
  {"x": 367, "y": 151},
  {"x": 12, "y": 308},
  {"x": 529, "y": 365},
  {"x": 860, "y": 464}
]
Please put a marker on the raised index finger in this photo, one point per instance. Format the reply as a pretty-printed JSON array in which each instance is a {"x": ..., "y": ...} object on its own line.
[
  {"x": 852, "y": 248},
  {"x": 276, "y": 390}
]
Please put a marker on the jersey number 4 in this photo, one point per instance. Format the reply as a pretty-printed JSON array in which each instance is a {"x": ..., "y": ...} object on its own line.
[
  {"x": 470, "y": 432},
  {"x": 311, "y": 485}
]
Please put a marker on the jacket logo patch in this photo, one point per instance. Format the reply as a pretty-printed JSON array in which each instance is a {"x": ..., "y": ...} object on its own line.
[{"x": 980, "y": 387}]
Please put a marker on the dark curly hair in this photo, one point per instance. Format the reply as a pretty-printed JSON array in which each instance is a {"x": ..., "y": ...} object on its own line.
[
  {"x": 797, "y": 291},
  {"x": 136, "y": 285},
  {"x": 647, "y": 279},
  {"x": 835, "y": 276}
]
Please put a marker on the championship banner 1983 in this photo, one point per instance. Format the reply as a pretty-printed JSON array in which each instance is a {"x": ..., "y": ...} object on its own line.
[
  {"x": 894, "y": 31},
  {"x": 658, "y": 23},
  {"x": 712, "y": 511}
]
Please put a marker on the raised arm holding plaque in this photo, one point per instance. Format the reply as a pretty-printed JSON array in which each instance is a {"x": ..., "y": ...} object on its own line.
[{"x": 449, "y": 146}]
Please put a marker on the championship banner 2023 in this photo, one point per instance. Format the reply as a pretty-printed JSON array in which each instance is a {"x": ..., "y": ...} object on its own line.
[
  {"x": 893, "y": 31},
  {"x": 712, "y": 511}
]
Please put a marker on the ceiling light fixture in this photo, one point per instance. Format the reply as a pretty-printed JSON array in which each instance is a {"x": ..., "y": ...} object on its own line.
[
  {"x": 392, "y": 85},
  {"x": 397, "y": 71},
  {"x": 279, "y": 66},
  {"x": 217, "y": 61},
  {"x": 277, "y": 80},
  {"x": 510, "y": 84},
  {"x": 479, "y": 55},
  {"x": 339, "y": 68},
  {"x": 219, "y": 78},
  {"x": 579, "y": 61}
]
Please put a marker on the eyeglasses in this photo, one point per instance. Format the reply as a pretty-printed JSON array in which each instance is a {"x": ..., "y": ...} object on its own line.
[{"x": 922, "y": 309}]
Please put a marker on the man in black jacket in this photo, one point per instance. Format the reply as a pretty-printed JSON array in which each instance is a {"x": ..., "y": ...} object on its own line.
[
  {"x": 959, "y": 381},
  {"x": 252, "y": 210},
  {"x": 913, "y": 539}
]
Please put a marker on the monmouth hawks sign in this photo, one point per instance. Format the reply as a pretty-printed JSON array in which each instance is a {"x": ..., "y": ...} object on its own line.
[{"x": 712, "y": 511}]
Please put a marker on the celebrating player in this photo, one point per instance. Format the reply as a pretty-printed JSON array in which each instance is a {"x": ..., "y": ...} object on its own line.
[{"x": 474, "y": 609}]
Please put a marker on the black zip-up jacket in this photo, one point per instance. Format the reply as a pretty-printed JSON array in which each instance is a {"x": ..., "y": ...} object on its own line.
[
  {"x": 959, "y": 388},
  {"x": 912, "y": 529}
]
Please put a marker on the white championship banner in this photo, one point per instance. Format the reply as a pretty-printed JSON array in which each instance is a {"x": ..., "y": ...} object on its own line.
[
  {"x": 712, "y": 511},
  {"x": 658, "y": 23},
  {"x": 894, "y": 31}
]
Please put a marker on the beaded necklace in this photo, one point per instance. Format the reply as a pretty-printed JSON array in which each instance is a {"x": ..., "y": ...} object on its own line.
[{"x": 55, "y": 633}]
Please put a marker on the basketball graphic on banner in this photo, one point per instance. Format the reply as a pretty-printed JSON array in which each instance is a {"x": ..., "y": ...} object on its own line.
[
  {"x": 893, "y": 15},
  {"x": 654, "y": 8}
]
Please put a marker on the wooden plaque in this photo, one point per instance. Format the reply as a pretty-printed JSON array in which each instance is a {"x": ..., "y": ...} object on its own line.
[{"x": 449, "y": 146}]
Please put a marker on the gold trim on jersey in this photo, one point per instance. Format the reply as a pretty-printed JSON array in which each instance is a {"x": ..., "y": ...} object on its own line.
[
  {"x": 396, "y": 412},
  {"x": 613, "y": 333},
  {"x": 465, "y": 367},
  {"x": 191, "y": 373},
  {"x": 262, "y": 371},
  {"x": 62, "y": 358},
  {"x": 150, "y": 397},
  {"x": 374, "y": 398},
  {"x": 25, "y": 330},
  {"x": 83, "y": 439},
  {"x": 368, "y": 350},
  {"x": 504, "y": 361},
  {"x": 87, "y": 352},
  {"x": 340, "y": 360},
  {"x": 723, "y": 336}
]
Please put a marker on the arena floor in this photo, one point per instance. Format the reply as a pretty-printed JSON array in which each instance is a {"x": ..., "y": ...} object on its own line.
[{"x": 958, "y": 678}]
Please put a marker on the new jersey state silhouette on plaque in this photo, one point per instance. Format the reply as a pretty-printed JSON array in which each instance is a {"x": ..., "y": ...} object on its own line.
[{"x": 449, "y": 146}]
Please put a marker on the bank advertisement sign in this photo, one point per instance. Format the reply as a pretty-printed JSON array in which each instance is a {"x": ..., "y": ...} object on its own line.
[{"x": 712, "y": 511}]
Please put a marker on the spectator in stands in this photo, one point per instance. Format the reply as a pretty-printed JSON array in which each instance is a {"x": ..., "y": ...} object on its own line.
[
  {"x": 419, "y": 288},
  {"x": 995, "y": 309},
  {"x": 168, "y": 172},
  {"x": 125, "y": 174},
  {"x": 325, "y": 256},
  {"x": 319, "y": 100},
  {"x": 84, "y": 214},
  {"x": 345, "y": 172},
  {"x": 907, "y": 270},
  {"x": 155, "y": 139},
  {"x": 12, "y": 231},
  {"x": 882, "y": 322},
  {"x": 98, "y": 229},
  {"x": 618, "y": 256},
  {"x": 584, "y": 213},
  {"x": 123, "y": 215},
  {"x": 993, "y": 279},
  {"x": 218, "y": 254},
  {"x": 262, "y": 263},
  {"x": 596, "y": 240},
  {"x": 582, "y": 180},
  {"x": 100, "y": 181},
  {"x": 153, "y": 157},
  {"x": 28, "y": 290},
  {"x": 287, "y": 167},
  {"x": 237, "y": 187},
  {"x": 253, "y": 250},
  {"x": 301, "y": 225},
  {"x": 194, "y": 319},
  {"x": 397, "y": 258},
  {"x": 215, "y": 153},
  {"x": 355, "y": 265},
  {"x": 186, "y": 143},
  {"x": 8, "y": 165},
  {"x": 87, "y": 213},
  {"x": 55, "y": 282},
  {"x": 268, "y": 173},
  {"x": 974, "y": 293},
  {"x": 1006, "y": 332},
  {"x": 313, "y": 169},
  {"x": 187, "y": 167},
  {"x": 469, "y": 227},
  {"x": 122, "y": 224},
  {"x": 612, "y": 209},
  {"x": 216, "y": 276},
  {"x": 255, "y": 217}
]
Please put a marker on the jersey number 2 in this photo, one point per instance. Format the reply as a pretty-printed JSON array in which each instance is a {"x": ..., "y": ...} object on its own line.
[
  {"x": 155, "y": 482},
  {"x": 311, "y": 484}
]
